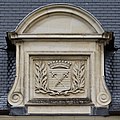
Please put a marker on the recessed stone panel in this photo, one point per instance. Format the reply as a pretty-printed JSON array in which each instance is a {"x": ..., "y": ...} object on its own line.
[{"x": 59, "y": 77}]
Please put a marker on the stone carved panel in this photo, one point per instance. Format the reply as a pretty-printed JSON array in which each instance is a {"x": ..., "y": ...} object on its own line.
[
  {"x": 59, "y": 77},
  {"x": 73, "y": 84}
]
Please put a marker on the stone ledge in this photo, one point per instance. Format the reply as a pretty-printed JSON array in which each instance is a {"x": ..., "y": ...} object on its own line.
[{"x": 2, "y": 117}]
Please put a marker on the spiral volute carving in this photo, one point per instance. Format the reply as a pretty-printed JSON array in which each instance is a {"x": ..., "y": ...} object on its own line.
[
  {"x": 16, "y": 98},
  {"x": 103, "y": 98}
]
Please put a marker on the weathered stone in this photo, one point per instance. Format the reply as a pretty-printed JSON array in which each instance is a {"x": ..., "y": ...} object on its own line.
[{"x": 60, "y": 70}]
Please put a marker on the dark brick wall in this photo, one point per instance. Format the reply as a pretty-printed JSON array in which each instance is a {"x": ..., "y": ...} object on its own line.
[{"x": 13, "y": 11}]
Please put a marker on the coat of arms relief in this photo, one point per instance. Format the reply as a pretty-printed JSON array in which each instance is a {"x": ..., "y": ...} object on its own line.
[{"x": 59, "y": 77}]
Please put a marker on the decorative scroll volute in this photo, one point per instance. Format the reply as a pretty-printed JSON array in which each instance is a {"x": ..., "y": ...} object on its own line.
[
  {"x": 15, "y": 96},
  {"x": 104, "y": 97}
]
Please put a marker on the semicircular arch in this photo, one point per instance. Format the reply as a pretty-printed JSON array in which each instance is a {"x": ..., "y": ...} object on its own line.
[{"x": 59, "y": 18}]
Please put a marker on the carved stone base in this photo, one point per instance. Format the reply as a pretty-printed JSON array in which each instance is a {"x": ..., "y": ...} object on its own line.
[
  {"x": 18, "y": 111},
  {"x": 59, "y": 110},
  {"x": 100, "y": 111},
  {"x": 63, "y": 110}
]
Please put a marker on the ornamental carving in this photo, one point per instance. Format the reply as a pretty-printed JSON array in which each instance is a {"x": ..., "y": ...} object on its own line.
[
  {"x": 59, "y": 68},
  {"x": 16, "y": 98},
  {"x": 41, "y": 84},
  {"x": 59, "y": 77}
]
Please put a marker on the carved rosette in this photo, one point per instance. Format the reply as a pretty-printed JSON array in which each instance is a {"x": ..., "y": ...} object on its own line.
[{"x": 59, "y": 77}]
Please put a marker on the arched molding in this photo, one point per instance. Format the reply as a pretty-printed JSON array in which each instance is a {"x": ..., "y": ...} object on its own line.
[{"x": 54, "y": 9}]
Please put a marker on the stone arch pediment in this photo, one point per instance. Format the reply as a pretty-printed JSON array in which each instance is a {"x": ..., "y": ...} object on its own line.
[{"x": 59, "y": 18}]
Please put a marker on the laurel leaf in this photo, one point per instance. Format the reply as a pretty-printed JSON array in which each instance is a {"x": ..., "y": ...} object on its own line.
[
  {"x": 78, "y": 77},
  {"x": 40, "y": 77}
]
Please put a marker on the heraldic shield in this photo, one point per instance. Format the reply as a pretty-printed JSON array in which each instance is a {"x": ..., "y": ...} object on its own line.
[{"x": 60, "y": 76}]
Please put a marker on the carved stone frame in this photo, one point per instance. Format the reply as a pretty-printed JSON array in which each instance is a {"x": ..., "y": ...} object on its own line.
[
  {"x": 29, "y": 45},
  {"x": 52, "y": 57}
]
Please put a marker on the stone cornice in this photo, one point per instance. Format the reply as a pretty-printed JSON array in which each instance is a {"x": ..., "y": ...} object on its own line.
[{"x": 105, "y": 37}]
